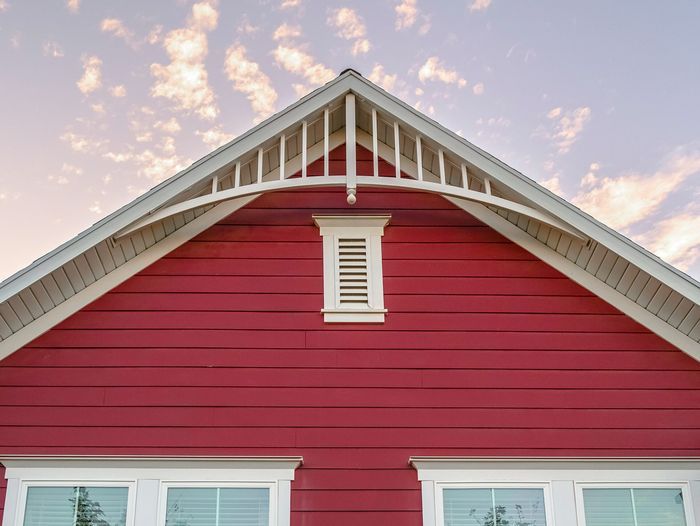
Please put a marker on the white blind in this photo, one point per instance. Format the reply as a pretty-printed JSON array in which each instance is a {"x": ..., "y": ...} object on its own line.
[
  {"x": 218, "y": 507},
  {"x": 634, "y": 507},
  {"x": 494, "y": 507},
  {"x": 75, "y": 506}
]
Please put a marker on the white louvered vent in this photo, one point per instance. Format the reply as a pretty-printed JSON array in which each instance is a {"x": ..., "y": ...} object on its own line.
[
  {"x": 353, "y": 283},
  {"x": 352, "y": 268}
]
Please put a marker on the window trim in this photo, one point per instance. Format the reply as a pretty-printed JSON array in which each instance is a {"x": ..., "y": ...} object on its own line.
[
  {"x": 146, "y": 477},
  {"x": 371, "y": 228},
  {"x": 564, "y": 477},
  {"x": 683, "y": 485}
]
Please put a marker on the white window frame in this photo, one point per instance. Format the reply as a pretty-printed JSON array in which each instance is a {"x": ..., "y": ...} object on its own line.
[
  {"x": 148, "y": 479},
  {"x": 683, "y": 486},
  {"x": 371, "y": 228},
  {"x": 564, "y": 479},
  {"x": 441, "y": 486}
]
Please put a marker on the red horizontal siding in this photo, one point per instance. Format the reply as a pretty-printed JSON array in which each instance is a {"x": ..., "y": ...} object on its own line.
[{"x": 220, "y": 348}]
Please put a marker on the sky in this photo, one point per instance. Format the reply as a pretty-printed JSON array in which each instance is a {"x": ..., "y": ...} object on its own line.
[{"x": 599, "y": 101}]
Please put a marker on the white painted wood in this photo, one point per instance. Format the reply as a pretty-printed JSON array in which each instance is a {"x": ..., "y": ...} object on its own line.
[
  {"x": 350, "y": 148},
  {"x": 30, "y": 301},
  {"x": 487, "y": 185},
  {"x": 375, "y": 148},
  {"x": 147, "y": 501},
  {"x": 695, "y": 331},
  {"x": 580, "y": 276},
  {"x": 214, "y": 184},
  {"x": 52, "y": 289},
  {"x": 617, "y": 272},
  {"x": 690, "y": 319},
  {"x": 304, "y": 147},
  {"x": 648, "y": 292},
  {"x": 12, "y": 498},
  {"x": 5, "y": 330},
  {"x": 441, "y": 161},
  {"x": 371, "y": 229},
  {"x": 260, "y": 165},
  {"x": 638, "y": 285},
  {"x": 284, "y": 502},
  {"x": 428, "y": 501},
  {"x": 419, "y": 158},
  {"x": 680, "y": 312},
  {"x": 93, "y": 260},
  {"x": 659, "y": 298},
  {"x": 326, "y": 133},
  {"x": 237, "y": 176},
  {"x": 563, "y": 496},
  {"x": 674, "y": 299},
  {"x": 465, "y": 177},
  {"x": 397, "y": 149},
  {"x": 283, "y": 158},
  {"x": 21, "y": 310},
  {"x": 627, "y": 279}
]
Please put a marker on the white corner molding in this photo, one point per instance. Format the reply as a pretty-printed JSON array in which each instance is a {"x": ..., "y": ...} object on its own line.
[
  {"x": 147, "y": 480},
  {"x": 353, "y": 289},
  {"x": 561, "y": 480}
]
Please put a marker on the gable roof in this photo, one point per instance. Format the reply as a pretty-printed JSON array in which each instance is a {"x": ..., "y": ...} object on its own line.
[{"x": 613, "y": 267}]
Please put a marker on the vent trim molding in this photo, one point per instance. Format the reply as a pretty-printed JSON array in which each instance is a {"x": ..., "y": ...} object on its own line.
[{"x": 353, "y": 289}]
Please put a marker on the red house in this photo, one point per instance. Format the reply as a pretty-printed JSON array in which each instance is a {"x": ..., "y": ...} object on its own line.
[{"x": 349, "y": 316}]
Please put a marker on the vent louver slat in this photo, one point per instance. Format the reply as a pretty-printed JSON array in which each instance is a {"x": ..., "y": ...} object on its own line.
[{"x": 352, "y": 271}]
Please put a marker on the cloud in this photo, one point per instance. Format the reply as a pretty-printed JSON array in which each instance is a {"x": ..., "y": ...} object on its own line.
[
  {"x": 170, "y": 126},
  {"x": 478, "y": 88},
  {"x": 117, "y": 28},
  {"x": 287, "y": 4},
  {"x": 406, "y": 14},
  {"x": 95, "y": 208},
  {"x": 379, "y": 77},
  {"x": 4, "y": 6},
  {"x": 285, "y": 31},
  {"x": 675, "y": 239},
  {"x": 52, "y": 49},
  {"x": 155, "y": 35},
  {"x": 622, "y": 201},
  {"x": 215, "y": 137},
  {"x": 185, "y": 81},
  {"x": 248, "y": 79},
  {"x": 245, "y": 27},
  {"x": 155, "y": 164},
  {"x": 118, "y": 91},
  {"x": 81, "y": 143},
  {"x": 434, "y": 70},
  {"x": 350, "y": 26},
  {"x": 73, "y": 5},
  {"x": 479, "y": 5},
  {"x": 568, "y": 126},
  {"x": 92, "y": 75},
  {"x": 295, "y": 60},
  {"x": 97, "y": 107}
]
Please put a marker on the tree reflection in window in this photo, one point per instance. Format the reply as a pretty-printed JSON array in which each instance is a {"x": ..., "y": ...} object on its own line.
[
  {"x": 76, "y": 506},
  {"x": 494, "y": 507}
]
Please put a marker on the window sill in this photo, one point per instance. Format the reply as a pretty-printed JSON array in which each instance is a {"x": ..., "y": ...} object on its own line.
[{"x": 353, "y": 315}]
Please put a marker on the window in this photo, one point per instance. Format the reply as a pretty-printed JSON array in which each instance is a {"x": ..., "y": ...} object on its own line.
[
  {"x": 218, "y": 506},
  {"x": 75, "y": 505},
  {"x": 177, "y": 491},
  {"x": 558, "y": 492},
  {"x": 635, "y": 506},
  {"x": 353, "y": 287},
  {"x": 496, "y": 506}
]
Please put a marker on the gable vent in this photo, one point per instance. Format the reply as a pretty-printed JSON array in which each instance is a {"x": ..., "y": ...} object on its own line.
[
  {"x": 353, "y": 283},
  {"x": 353, "y": 290}
]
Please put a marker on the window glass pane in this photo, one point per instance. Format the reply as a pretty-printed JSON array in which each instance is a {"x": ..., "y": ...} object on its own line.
[
  {"x": 467, "y": 507},
  {"x": 494, "y": 507},
  {"x": 84, "y": 506},
  {"x": 218, "y": 507},
  {"x": 659, "y": 507},
  {"x": 244, "y": 507},
  {"x": 520, "y": 507},
  {"x": 608, "y": 507}
]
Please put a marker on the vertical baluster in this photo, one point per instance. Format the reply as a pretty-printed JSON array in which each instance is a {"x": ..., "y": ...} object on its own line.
[
  {"x": 419, "y": 156},
  {"x": 326, "y": 133},
  {"x": 487, "y": 185},
  {"x": 214, "y": 184},
  {"x": 303, "y": 148},
  {"x": 465, "y": 177},
  {"x": 237, "y": 177},
  {"x": 397, "y": 149},
  {"x": 375, "y": 146},
  {"x": 260, "y": 164},
  {"x": 441, "y": 159},
  {"x": 282, "y": 156}
]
